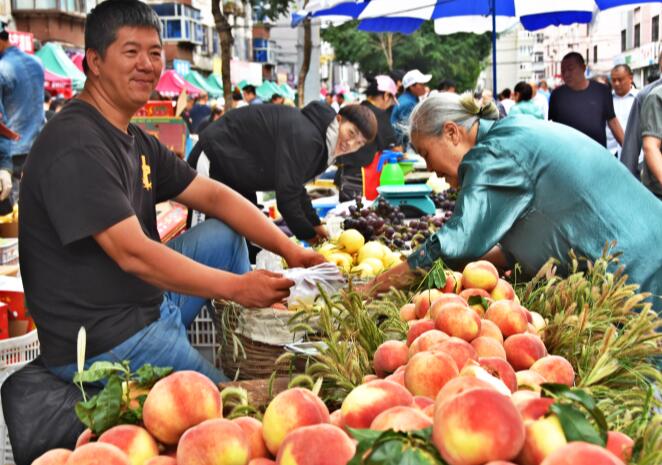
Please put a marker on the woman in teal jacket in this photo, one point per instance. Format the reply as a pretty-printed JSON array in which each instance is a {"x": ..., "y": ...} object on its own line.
[
  {"x": 530, "y": 190},
  {"x": 523, "y": 93}
]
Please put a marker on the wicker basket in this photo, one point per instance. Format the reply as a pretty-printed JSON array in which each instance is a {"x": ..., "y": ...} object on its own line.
[{"x": 251, "y": 340}]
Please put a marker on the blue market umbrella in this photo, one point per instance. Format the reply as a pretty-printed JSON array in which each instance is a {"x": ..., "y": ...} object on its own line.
[{"x": 396, "y": 16}]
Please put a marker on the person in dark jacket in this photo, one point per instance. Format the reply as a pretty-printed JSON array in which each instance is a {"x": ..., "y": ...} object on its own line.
[
  {"x": 380, "y": 95},
  {"x": 279, "y": 148}
]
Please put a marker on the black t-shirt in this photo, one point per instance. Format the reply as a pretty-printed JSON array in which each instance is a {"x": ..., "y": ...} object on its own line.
[
  {"x": 585, "y": 110},
  {"x": 82, "y": 176}
]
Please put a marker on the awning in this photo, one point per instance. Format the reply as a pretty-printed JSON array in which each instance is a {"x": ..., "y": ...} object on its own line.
[
  {"x": 171, "y": 84},
  {"x": 57, "y": 84},
  {"x": 78, "y": 60},
  {"x": 215, "y": 81},
  {"x": 56, "y": 61},
  {"x": 197, "y": 80}
]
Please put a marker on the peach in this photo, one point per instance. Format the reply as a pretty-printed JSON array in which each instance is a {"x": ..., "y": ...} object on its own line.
[
  {"x": 289, "y": 410},
  {"x": 261, "y": 461},
  {"x": 524, "y": 395},
  {"x": 527, "y": 379},
  {"x": 252, "y": 429},
  {"x": 473, "y": 369},
  {"x": 543, "y": 437},
  {"x": 336, "y": 419},
  {"x": 368, "y": 378},
  {"x": 401, "y": 419},
  {"x": 581, "y": 452},
  {"x": 522, "y": 350},
  {"x": 85, "y": 437},
  {"x": 510, "y": 317},
  {"x": 459, "y": 385},
  {"x": 330, "y": 444},
  {"x": 408, "y": 312},
  {"x": 503, "y": 291},
  {"x": 366, "y": 401},
  {"x": 538, "y": 322},
  {"x": 488, "y": 347},
  {"x": 458, "y": 320},
  {"x": 453, "y": 282},
  {"x": 477, "y": 426},
  {"x": 397, "y": 377},
  {"x": 429, "y": 411},
  {"x": 480, "y": 274},
  {"x": 214, "y": 442},
  {"x": 417, "y": 328},
  {"x": 478, "y": 308},
  {"x": 423, "y": 301},
  {"x": 421, "y": 402},
  {"x": 98, "y": 453},
  {"x": 499, "y": 462},
  {"x": 427, "y": 372},
  {"x": 534, "y": 408},
  {"x": 555, "y": 369},
  {"x": 179, "y": 401},
  {"x": 459, "y": 349},
  {"x": 389, "y": 356},
  {"x": 133, "y": 440},
  {"x": 490, "y": 329},
  {"x": 161, "y": 460},
  {"x": 426, "y": 341},
  {"x": 531, "y": 329},
  {"x": 620, "y": 445},
  {"x": 443, "y": 300},
  {"x": 501, "y": 369},
  {"x": 53, "y": 457}
]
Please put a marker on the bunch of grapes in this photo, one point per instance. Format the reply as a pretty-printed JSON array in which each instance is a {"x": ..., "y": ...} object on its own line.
[{"x": 445, "y": 200}]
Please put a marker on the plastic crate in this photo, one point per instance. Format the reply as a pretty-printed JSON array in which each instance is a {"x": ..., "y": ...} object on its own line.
[
  {"x": 202, "y": 335},
  {"x": 14, "y": 353}
]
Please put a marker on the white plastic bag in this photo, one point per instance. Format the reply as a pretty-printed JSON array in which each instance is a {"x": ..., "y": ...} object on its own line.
[{"x": 306, "y": 280}]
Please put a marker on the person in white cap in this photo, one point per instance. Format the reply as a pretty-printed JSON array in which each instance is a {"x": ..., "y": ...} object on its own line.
[
  {"x": 380, "y": 97},
  {"x": 414, "y": 83}
]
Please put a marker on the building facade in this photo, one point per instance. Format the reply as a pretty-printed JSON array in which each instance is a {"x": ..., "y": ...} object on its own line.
[
  {"x": 639, "y": 44},
  {"x": 515, "y": 59}
]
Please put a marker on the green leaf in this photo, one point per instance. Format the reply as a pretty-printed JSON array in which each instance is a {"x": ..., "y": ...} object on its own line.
[
  {"x": 106, "y": 413},
  {"x": 84, "y": 410},
  {"x": 365, "y": 434},
  {"x": 581, "y": 397},
  {"x": 147, "y": 375},
  {"x": 417, "y": 456},
  {"x": 387, "y": 453},
  {"x": 576, "y": 426},
  {"x": 478, "y": 300},
  {"x": 98, "y": 371}
]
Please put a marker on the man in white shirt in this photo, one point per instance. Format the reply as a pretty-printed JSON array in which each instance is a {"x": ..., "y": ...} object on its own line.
[
  {"x": 623, "y": 94},
  {"x": 540, "y": 100}
]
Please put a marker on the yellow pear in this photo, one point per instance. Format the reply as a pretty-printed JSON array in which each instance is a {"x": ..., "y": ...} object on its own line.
[
  {"x": 374, "y": 263},
  {"x": 371, "y": 249},
  {"x": 342, "y": 260},
  {"x": 350, "y": 241}
]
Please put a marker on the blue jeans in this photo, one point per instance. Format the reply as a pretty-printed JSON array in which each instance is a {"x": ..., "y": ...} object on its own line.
[{"x": 164, "y": 342}]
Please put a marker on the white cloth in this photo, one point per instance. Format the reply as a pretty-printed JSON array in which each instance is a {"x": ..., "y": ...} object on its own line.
[
  {"x": 622, "y": 108},
  {"x": 202, "y": 167},
  {"x": 5, "y": 184},
  {"x": 541, "y": 102},
  {"x": 332, "y": 141},
  {"x": 507, "y": 104},
  {"x": 335, "y": 106}
]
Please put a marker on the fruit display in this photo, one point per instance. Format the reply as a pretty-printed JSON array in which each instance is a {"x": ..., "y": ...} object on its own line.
[
  {"x": 388, "y": 224},
  {"x": 353, "y": 255},
  {"x": 469, "y": 376}
]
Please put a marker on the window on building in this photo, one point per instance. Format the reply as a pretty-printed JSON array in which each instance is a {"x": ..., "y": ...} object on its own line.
[
  {"x": 172, "y": 29},
  {"x": 655, "y": 28},
  {"x": 180, "y": 23},
  {"x": 595, "y": 54},
  {"x": 637, "y": 35},
  {"x": 624, "y": 42}
]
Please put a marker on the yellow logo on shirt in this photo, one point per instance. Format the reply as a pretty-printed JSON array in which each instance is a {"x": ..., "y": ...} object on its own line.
[{"x": 147, "y": 184}]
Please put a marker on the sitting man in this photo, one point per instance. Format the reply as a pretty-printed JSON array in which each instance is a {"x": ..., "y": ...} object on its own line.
[{"x": 90, "y": 249}]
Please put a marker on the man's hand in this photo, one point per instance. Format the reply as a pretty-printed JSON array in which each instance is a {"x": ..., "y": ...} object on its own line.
[
  {"x": 5, "y": 184},
  {"x": 261, "y": 288},
  {"x": 304, "y": 258},
  {"x": 322, "y": 233}
]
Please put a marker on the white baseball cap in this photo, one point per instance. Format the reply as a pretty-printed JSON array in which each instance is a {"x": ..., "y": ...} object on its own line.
[{"x": 415, "y": 77}]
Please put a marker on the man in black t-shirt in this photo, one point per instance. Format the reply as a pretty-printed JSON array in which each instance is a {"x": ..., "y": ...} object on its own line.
[
  {"x": 582, "y": 104},
  {"x": 89, "y": 247}
]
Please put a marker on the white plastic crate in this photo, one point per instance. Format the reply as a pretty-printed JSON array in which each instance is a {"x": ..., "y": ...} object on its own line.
[
  {"x": 202, "y": 335},
  {"x": 14, "y": 353}
]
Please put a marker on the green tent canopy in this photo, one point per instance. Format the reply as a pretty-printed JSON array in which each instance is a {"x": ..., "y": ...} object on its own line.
[
  {"x": 215, "y": 81},
  {"x": 197, "y": 80},
  {"x": 56, "y": 61},
  {"x": 287, "y": 92}
]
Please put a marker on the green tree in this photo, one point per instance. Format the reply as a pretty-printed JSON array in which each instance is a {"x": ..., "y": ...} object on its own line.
[{"x": 458, "y": 56}]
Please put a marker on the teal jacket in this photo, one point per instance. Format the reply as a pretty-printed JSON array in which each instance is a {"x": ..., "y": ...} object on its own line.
[
  {"x": 526, "y": 108},
  {"x": 539, "y": 189}
]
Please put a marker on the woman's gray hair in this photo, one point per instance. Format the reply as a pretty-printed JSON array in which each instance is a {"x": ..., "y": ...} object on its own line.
[{"x": 429, "y": 116}]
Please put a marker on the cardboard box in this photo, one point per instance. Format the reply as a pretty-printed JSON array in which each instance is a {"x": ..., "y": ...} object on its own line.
[{"x": 8, "y": 251}]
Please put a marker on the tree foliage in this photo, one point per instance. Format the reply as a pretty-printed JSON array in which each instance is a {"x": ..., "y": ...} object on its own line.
[{"x": 458, "y": 56}]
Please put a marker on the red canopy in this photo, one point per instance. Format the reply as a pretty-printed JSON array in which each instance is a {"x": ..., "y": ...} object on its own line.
[
  {"x": 172, "y": 84},
  {"x": 78, "y": 58},
  {"x": 56, "y": 84}
]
